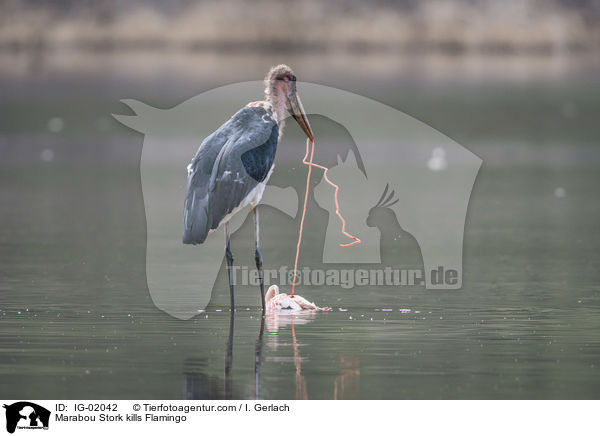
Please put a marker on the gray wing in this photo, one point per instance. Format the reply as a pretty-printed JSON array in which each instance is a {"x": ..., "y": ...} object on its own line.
[{"x": 218, "y": 179}]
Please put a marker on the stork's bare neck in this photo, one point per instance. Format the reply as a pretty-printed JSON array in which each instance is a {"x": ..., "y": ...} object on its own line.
[
  {"x": 275, "y": 100},
  {"x": 275, "y": 94},
  {"x": 278, "y": 112},
  {"x": 281, "y": 95},
  {"x": 279, "y": 84}
]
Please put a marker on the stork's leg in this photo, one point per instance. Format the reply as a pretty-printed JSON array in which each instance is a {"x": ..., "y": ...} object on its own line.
[
  {"x": 229, "y": 257},
  {"x": 258, "y": 258}
]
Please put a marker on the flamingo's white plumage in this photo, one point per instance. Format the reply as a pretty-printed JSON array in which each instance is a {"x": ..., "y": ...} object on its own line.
[{"x": 284, "y": 303}]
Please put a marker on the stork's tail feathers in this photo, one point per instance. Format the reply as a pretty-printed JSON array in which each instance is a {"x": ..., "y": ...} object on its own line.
[{"x": 195, "y": 219}]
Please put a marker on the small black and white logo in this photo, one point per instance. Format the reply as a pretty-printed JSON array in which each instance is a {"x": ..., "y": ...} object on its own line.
[{"x": 26, "y": 415}]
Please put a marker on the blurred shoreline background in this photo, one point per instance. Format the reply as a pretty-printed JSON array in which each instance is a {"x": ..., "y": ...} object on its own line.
[
  {"x": 533, "y": 27},
  {"x": 216, "y": 42}
]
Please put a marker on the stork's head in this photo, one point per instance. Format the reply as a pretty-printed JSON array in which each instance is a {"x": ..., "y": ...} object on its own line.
[{"x": 280, "y": 84}]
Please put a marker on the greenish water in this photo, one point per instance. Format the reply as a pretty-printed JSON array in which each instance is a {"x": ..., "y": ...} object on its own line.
[{"x": 77, "y": 321}]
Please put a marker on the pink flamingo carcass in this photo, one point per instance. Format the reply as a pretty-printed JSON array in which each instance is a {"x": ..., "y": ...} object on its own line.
[{"x": 284, "y": 303}]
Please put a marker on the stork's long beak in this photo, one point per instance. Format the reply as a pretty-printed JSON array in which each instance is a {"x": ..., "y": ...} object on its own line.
[{"x": 299, "y": 115}]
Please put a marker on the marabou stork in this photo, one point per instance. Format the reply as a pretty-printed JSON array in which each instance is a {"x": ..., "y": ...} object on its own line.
[{"x": 233, "y": 164}]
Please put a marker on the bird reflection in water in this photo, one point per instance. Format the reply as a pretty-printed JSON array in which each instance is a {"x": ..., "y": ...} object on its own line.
[
  {"x": 198, "y": 385},
  {"x": 229, "y": 356},
  {"x": 301, "y": 391},
  {"x": 346, "y": 384},
  {"x": 276, "y": 320}
]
